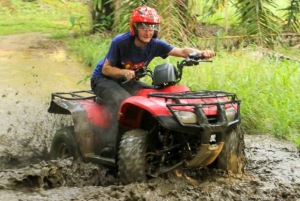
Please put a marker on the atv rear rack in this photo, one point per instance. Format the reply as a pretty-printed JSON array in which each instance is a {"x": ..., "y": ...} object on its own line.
[{"x": 74, "y": 95}]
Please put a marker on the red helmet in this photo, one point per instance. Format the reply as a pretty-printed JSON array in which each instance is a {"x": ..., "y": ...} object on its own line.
[{"x": 144, "y": 14}]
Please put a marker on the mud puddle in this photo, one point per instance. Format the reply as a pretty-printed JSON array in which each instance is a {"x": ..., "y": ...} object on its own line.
[{"x": 33, "y": 67}]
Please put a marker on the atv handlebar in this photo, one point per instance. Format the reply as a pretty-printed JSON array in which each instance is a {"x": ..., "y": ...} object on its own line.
[
  {"x": 139, "y": 73},
  {"x": 196, "y": 56},
  {"x": 193, "y": 59}
]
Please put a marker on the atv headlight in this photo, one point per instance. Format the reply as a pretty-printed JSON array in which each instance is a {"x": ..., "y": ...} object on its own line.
[
  {"x": 186, "y": 117},
  {"x": 230, "y": 113}
]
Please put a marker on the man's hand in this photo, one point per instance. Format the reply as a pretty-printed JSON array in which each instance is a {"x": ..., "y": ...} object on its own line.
[
  {"x": 115, "y": 72},
  {"x": 129, "y": 74},
  {"x": 207, "y": 54}
]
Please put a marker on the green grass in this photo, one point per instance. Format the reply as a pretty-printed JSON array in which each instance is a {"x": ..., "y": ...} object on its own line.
[
  {"x": 44, "y": 16},
  {"x": 90, "y": 49}
]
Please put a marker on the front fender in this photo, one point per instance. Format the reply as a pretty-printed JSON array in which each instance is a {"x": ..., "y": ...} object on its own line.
[
  {"x": 156, "y": 106},
  {"x": 133, "y": 109}
]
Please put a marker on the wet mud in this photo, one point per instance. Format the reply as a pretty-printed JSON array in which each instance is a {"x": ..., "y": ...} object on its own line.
[{"x": 32, "y": 67}]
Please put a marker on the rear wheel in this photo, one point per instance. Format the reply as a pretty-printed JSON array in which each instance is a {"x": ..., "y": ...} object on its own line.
[
  {"x": 64, "y": 144},
  {"x": 232, "y": 156},
  {"x": 132, "y": 161}
]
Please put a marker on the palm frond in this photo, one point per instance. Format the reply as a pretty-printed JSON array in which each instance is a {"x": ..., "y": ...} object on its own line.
[
  {"x": 178, "y": 20},
  {"x": 257, "y": 19},
  {"x": 123, "y": 10},
  {"x": 292, "y": 16},
  {"x": 212, "y": 7}
]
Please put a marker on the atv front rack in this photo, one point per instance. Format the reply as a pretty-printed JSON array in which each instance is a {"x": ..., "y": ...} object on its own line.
[
  {"x": 74, "y": 95},
  {"x": 194, "y": 95},
  {"x": 209, "y": 107}
]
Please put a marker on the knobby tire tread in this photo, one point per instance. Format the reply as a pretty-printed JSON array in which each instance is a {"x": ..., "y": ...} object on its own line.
[
  {"x": 132, "y": 162},
  {"x": 232, "y": 156}
]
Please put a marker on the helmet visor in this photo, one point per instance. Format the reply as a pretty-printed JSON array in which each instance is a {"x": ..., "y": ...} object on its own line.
[{"x": 146, "y": 26}]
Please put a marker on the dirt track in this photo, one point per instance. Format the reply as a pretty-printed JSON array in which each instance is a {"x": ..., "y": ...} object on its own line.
[{"x": 32, "y": 68}]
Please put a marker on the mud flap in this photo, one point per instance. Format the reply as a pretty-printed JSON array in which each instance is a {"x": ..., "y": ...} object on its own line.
[{"x": 206, "y": 155}]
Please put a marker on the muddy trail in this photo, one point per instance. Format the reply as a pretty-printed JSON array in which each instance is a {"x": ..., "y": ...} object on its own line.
[{"x": 32, "y": 67}]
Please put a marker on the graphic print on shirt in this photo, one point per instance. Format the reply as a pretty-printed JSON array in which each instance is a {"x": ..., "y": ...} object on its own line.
[{"x": 133, "y": 66}]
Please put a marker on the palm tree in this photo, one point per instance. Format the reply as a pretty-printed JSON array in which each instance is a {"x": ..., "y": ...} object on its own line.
[{"x": 255, "y": 17}]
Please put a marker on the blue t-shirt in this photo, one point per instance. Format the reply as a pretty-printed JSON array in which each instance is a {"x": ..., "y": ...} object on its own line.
[{"x": 124, "y": 54}]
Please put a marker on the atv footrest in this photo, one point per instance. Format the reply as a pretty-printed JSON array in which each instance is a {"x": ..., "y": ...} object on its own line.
[{"x": 98, "y": 159}]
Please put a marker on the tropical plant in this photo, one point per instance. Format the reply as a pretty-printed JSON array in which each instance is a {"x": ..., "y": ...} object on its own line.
[
  {"x": 257, "y": 18},
  {"x": 292, "y": 16},
  {"x": 254, "y": 18},
  {"x": 212, "y": 7},
  {"x": 102, "y": 14},
  {"x": 76, "y": 21}
]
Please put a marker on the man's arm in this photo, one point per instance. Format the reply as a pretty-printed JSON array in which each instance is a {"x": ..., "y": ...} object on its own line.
[
  {"x": 184, "y": 52},
  {"x": 114, "y": 72}
]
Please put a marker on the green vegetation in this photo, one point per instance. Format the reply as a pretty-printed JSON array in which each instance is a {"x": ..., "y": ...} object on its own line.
[
  {"x": 267, "y": 85},
  {"x": 262, "y": 19},
  {"x": 17, "y": 16}
]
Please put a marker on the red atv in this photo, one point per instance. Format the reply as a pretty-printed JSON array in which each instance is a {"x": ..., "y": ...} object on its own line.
[{"x": 162, "y": 128}]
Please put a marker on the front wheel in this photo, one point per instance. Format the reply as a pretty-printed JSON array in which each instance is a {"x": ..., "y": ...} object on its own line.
[
  {"x": 232, "y": 156},
  {"x": 132, "y": 160},
  {"x": 64, "y": 144}
]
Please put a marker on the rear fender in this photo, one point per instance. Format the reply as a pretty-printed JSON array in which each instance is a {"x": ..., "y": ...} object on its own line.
[
  {"x": 95, "y": 113},
  {"x": 88, "y": 117}
]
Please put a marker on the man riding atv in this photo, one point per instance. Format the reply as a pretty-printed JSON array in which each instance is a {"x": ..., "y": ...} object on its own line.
[
  {"x": 128, "y": 52},
  {"x": 143, "y": 131}
]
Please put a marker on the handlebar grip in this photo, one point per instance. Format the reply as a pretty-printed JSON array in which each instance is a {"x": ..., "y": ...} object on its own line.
[{"x": 196, "y": 56}]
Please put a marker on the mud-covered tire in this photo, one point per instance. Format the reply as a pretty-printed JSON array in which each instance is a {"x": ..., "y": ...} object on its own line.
[
  {"x": 232, "y": 156},
  {"x": 131, "y": 157},
  {"x": 64, "y": 144}
]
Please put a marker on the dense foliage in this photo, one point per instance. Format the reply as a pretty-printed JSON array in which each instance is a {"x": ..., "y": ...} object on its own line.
[{"x": 262, "y": 18}]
